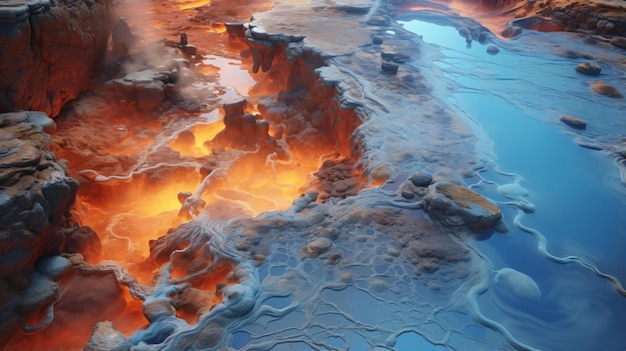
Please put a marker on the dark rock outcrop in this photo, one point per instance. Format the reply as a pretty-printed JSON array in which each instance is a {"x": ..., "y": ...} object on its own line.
[
  {"x": 48, "y": 51},
  {"x": 35, "y": 199}
]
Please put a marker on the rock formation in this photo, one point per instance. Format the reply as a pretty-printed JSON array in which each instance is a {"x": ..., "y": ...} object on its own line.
[
  {"x": 35, "y": 199},
  {"x": 457, "y": 206},
  {"x": 48, "y": 51}
]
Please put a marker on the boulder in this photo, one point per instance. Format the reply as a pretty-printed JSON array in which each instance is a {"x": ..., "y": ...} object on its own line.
[
  {"x": 457, "y": 206},
  {"x": 421, "y": 179}
]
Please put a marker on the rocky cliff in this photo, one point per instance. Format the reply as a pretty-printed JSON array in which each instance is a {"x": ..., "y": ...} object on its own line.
[
  {"x": 49, "y": 49},
  {"x": 36, "y": 196}
]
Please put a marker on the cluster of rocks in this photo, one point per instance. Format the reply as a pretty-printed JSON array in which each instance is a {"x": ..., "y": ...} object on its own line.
[
  {"x": 36, "y": 195},
  {"x": 48, "y": 51},
  {"x": 597, "y": 18},
  {"x": 337, "y": 179},
  {"x": 452, "y": 205}
]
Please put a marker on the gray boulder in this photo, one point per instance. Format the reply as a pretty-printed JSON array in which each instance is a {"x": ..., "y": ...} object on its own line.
[{"x": 457, "y": 206}]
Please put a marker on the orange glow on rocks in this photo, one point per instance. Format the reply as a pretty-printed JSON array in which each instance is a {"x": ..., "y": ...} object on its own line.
[{"x": 186, "y": 128}]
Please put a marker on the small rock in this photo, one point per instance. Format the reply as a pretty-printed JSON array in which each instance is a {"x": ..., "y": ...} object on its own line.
[
  {"x": 421, "y": 179},
  {"x": 605, "y": 89},
  {"x": 588, "y": 69},
  {"x": 407, "y": 194},
  {"x": 573, "y": 122},
  {"x": 106, "y": 338},
  {"x": 518, "y": 283},
  {"x": 376, "y": 40},
  {"x": 590, "y": 146},
  {"x": 320, "y": 245},
  {"x": 390, "y": 68},
  {"x": 492, "y": 50},
  {"x": 37, "y": 219}
]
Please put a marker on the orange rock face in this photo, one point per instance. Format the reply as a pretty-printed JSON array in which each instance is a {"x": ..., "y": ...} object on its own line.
[{"x": 48, "y": 51}]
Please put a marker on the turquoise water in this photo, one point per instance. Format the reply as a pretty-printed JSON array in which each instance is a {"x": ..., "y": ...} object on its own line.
[{"x": 514, "y": 100}]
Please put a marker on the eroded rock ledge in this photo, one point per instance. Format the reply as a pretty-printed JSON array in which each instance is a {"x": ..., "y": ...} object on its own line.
[
  {"x": 48, "y": 51},
  {"x": 35, "y": 199}
]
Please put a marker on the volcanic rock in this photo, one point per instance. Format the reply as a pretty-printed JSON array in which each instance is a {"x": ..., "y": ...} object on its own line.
[
  {"x": 48, "y": 51},
  {"x": 456, "y": 206},
  {"x": 605, "y": 89},
  {"x": 36, "y": 195},
  {"x": 588, "y": 69},
  {"x": 573, "y": 122}
]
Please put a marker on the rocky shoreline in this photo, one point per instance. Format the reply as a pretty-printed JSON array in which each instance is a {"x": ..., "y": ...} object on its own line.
[{"x": 366, "y": 70}]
